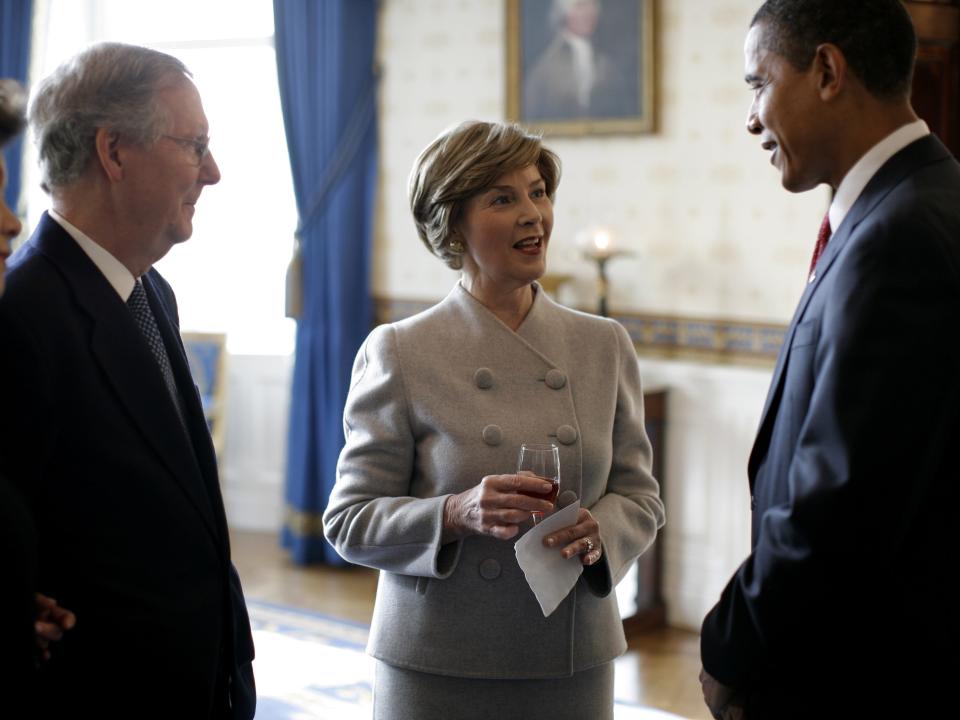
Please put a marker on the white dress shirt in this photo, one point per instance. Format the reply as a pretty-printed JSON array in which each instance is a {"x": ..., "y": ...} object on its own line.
[
  {"x": 866, "y": 167},
  {"x": 583, "y": 67},
  {"x": 116, "y": 273}
]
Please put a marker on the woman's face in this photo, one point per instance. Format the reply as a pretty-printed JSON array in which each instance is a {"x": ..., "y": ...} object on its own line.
[
  {"x": 9, "y": 225},
  {"x": 506, "y": 229}
]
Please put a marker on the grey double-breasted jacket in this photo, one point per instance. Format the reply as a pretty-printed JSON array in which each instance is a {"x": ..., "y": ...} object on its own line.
[{"x": 444, "y": 398}]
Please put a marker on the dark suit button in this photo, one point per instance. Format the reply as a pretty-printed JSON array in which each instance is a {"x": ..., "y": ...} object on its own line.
[
  {"x": 555, "y": 379},
  {"x": 753, "y": 503},
  {"x": 489, "y": 569},
  {"x": 567, "y": 434},
  {"x": 492, "y": 435},
  {"x": 483, "y": 378}
]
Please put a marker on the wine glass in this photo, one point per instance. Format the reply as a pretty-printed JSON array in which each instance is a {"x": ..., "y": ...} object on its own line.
[{"x": 543, "y": 461}]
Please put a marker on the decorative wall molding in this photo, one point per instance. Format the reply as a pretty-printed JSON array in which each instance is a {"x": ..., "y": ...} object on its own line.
[
  {"x": 253, "y": 460},
  {"x": 727, "y": 342}
]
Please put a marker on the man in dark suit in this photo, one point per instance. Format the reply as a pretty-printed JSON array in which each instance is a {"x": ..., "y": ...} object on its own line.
[
  {"x": 843, "y": 608},
  {"x": 102, "y": 428}
]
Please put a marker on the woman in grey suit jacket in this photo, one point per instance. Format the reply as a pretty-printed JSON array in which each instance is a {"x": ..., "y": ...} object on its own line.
[{"x": 438, "y": 408}]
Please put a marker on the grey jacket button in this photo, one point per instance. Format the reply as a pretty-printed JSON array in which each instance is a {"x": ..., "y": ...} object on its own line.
[
  {"x": 483, "y": 377},
  {"x": 489, "y": 569},
  {"x": 492, "y": 435},
  {"x": 567, "y": 434},
  {"x": 556, "y": 379}
]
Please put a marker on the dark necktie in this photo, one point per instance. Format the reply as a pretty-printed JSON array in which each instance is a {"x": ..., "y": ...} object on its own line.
[
  {"x": 822, "y": 238},
  {"x": 143, "y": 316}
]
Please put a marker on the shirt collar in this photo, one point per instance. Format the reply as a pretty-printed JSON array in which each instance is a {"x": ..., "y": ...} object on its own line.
[
  {"x": 116, "y": 273},
  {"x": 866, "y": 167},
  {"x": 582, "y": 47}
]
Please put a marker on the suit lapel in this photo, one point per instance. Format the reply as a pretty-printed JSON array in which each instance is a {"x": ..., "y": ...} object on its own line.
[
  {"x": 130, "y": 369},
  {"x": 199, "y": 434},
  {"x": 536, "y": 334},
  {"x": 917, "y": 154},
  {"x": 541, "y": 329}
]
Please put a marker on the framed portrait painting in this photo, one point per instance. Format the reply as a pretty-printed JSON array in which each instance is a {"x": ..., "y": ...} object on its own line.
[{"x": 579, "y": 67}]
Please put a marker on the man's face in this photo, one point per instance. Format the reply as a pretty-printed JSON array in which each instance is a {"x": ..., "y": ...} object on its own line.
[
  {"x": 786, "y": 114},
  {"x": 582, "y": 17},
  {"x": 163, "y": 182}
]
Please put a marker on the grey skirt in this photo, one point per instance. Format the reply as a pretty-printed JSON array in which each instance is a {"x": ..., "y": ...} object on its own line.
[{"x": 400, "y": 694}]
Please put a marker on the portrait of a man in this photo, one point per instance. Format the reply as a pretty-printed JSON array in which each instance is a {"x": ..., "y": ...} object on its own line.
[{"x": 580, "y": 65}]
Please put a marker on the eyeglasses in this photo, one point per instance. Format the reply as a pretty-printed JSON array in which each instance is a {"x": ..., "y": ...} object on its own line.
[{"x": 200, "y": 147}]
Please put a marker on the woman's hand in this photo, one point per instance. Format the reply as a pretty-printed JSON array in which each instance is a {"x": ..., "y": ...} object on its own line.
[
  {"x": 495, "y": 507},
  {"x": 580, "y": 539}
]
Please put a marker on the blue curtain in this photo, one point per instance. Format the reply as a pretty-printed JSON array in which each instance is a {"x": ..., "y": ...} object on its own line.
[
  {"x": 328, "y": 80},
  {"x": 15, "y": 17}
]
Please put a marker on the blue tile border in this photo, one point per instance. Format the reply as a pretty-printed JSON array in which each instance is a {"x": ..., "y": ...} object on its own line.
[{"x": 709, "y": 340}]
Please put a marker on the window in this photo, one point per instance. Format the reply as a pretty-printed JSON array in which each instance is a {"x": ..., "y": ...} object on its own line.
[{"x": 229, "y": 277}]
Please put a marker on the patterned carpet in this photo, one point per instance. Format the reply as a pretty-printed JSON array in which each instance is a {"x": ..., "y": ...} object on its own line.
[{"x": 313, "y": 667}]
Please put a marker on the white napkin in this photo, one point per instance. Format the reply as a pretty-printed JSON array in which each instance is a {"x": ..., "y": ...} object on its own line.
[{"x": 548, "y": 574}]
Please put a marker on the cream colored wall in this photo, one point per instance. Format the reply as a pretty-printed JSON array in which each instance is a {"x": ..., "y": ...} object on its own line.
[{"x": 712, "y": 231}]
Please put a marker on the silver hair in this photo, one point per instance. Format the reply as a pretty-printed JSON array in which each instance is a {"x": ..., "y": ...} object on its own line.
[
  {"x": 108, "y": 85},
  {"x": 559, "y": 10}
]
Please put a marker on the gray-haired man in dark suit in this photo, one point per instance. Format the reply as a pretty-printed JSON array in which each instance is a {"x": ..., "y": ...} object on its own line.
[{"x": 102, "y": 429}]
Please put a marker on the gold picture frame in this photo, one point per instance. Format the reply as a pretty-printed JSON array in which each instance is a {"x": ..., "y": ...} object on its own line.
[
  {"x": 207, "y": 356},
  {"x": 571, "y": 74}
]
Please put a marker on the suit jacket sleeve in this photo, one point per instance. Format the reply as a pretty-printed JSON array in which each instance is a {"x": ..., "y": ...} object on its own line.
[
  {"x": 630, "y": 510},
  {"x": 371, "y": 518},
  {"x": 872, "y": 450}
]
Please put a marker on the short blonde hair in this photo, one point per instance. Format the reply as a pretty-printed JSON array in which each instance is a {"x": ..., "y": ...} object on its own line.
[{"x": 462, "y": 162}]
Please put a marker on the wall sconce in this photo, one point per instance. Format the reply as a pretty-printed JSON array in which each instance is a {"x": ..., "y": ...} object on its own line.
[{"x": 599, "y": 246}]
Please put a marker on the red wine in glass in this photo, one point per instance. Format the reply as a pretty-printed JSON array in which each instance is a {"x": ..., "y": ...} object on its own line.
[{"x": 543, "y": 461}]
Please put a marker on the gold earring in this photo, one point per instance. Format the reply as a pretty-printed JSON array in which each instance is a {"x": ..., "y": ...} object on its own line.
[{"x": 456, "y": 247}]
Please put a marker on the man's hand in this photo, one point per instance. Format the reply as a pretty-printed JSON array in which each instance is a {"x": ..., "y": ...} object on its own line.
[
  {"x": 719, "y": 698},
  {"x": 52, "y": 622}
]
